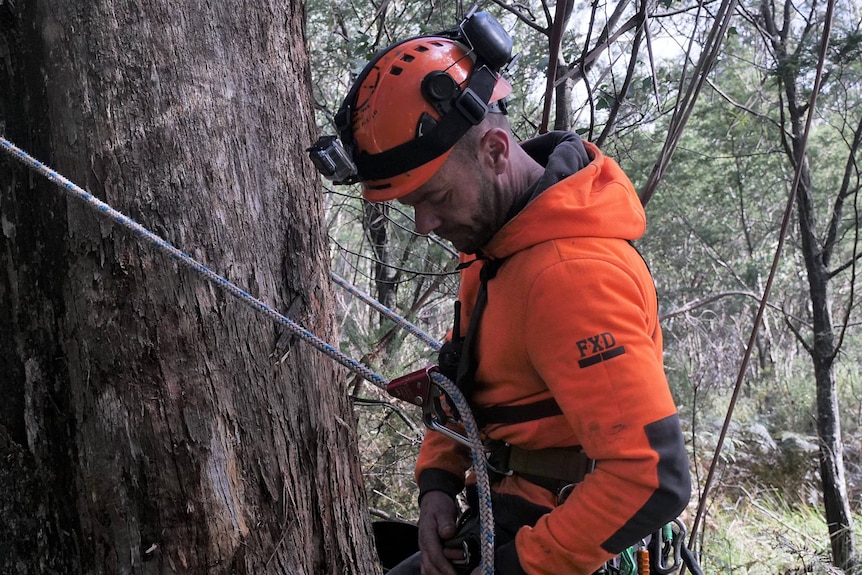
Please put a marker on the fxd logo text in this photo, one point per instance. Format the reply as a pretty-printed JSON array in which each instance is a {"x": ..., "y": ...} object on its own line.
[{"x": 597, "y": 348}]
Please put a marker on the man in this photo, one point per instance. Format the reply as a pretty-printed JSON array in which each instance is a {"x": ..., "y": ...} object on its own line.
[{"x": 564, "y": 363}]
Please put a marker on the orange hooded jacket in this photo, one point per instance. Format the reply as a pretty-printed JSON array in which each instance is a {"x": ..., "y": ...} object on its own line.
[{"x": 572, "y": 315}]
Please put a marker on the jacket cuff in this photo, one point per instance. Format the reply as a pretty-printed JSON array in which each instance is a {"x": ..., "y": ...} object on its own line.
[
  {"x": 440, "y": 480},
  {"x": 506, "y": 560}
]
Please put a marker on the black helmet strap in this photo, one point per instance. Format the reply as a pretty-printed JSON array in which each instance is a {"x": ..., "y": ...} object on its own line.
[{"x": 468, "y": 109}]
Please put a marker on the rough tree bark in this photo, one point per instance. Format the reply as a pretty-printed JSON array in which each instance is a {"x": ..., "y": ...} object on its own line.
[{"x": 149, "y": 423}]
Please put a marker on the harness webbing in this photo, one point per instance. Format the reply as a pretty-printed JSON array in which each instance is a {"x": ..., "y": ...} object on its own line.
[
  {"x": 472, "y": 430},
  {"x": 510, "y": 414},
  {"x": 466, "y": 375},
  {"x": 468, "y": 363}
]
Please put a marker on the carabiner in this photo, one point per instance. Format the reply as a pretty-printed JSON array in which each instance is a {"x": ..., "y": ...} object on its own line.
[{"x": 665, "y": 554}]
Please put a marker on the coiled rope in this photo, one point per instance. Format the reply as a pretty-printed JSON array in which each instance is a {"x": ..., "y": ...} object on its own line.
[{"x": 162, "y": 245}]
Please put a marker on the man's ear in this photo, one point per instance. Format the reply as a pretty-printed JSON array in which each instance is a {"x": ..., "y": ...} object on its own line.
[{"x": 495, "y": 149}]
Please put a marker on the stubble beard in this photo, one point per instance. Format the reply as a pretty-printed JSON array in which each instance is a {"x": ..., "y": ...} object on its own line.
[{"x": 486, "y": 220}]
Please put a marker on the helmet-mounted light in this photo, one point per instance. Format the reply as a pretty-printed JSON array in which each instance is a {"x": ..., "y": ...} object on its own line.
[{"x": 339, "y": 158}]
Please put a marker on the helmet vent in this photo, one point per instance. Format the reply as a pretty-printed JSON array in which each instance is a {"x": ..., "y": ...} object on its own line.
[{"x": 396, "y": 71}]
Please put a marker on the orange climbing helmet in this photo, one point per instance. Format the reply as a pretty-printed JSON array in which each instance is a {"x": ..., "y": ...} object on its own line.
[{"x": 411, "y": 104}]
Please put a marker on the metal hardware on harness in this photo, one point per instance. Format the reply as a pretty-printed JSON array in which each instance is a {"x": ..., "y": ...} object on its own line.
[
  {"x": 419, "y": 389},
  {"x": 665, "y": 550},
  {"x": 467, "y": 541},
  {"x": 564, "y": 493}
]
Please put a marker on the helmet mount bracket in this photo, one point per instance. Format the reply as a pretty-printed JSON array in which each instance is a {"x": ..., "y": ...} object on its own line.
[{"x": 440, "y": 89}]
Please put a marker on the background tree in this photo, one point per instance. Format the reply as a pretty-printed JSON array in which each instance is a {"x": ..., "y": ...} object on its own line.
[
  {"x": 149, "y": 424},
  {"x": 794, "y": 42}
]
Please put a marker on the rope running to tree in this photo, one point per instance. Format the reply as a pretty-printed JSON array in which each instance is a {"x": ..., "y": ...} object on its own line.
[{"x": 485, "y": 515}]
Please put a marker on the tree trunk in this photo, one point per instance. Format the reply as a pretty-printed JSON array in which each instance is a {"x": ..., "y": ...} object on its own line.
[
  {"x": 823, "y": 352},
  {"x": 375, "y": 222},
  {"x": 150, "y": 423},
  {"x": 823, "y": 348}
]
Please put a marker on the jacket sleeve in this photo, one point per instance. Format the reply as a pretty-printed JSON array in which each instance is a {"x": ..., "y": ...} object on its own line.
[
  {"x": 442, "y": 464},
  {"x": 597, "y": 345}
]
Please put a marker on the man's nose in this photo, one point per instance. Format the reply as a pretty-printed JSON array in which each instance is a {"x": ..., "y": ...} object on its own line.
[{"x": 426, "y": 221}]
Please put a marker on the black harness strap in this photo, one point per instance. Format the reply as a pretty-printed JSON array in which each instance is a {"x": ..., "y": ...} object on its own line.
[
  {"x": 509, "y": 414},
  {"x": 555, "y": 469},
  {"x": 467, "y": 365},
  {"x": 466, "y": 375}
]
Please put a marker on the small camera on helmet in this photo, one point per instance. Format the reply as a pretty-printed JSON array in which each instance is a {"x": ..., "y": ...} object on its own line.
[{"x": 332, "y": 160}]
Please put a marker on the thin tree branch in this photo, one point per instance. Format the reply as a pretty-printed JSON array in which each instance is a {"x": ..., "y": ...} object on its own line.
[
  {"x": 848, "y": 264},
  {"x": 693, "y": 305},
  {"x": 528, "y": 20},
  {"x": 724, "y": 96},
  {"x": 627, "y": 81},
  {"x": 799, "y": 337},
  {"x": 850, "y": 167},
  {"x": 684, "y": 108}
]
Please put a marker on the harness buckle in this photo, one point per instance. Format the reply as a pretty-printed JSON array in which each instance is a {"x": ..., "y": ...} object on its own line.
[
  {"x": 497, "y": 457},
  {"x": 564, "y": 493}
]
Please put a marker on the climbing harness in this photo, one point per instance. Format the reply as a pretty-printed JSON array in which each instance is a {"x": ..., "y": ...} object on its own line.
[
  {"x": 471, "y": 437},
  {"x": 557, "y": 469},
  {"x": 467, "y": 540}
]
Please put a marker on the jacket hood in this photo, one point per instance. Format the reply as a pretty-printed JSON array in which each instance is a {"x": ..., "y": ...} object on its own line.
[{"x": 597, "y": 201}]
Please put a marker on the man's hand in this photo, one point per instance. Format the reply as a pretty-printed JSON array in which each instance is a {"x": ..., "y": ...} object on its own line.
[{"x": 437, "y": 514}]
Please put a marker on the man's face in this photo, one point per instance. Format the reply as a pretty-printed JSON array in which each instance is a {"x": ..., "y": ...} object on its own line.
[{"x": 459, "y": 203}]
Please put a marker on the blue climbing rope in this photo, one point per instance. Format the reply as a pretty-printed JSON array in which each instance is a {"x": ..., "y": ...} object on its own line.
[{"x": 162, "y": 245}]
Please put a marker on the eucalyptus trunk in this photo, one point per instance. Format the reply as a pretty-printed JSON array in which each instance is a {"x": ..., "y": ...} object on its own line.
[
  {"x": 816, "y": 251},
  {"x": 150, "y": 423}
]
